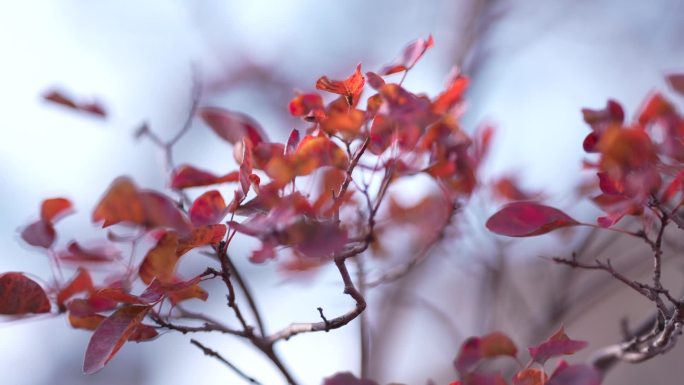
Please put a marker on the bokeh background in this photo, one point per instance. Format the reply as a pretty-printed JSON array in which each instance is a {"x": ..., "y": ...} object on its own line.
[{"x": 533, "y": 63}]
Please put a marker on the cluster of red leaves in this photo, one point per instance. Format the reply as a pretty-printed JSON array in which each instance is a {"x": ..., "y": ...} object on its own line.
[
  {"x": 476, "y": 352},
  {"x": 110, "y": 308},
  {"x": 639, "y": 165},
  {"x": 402, "y": 133}
]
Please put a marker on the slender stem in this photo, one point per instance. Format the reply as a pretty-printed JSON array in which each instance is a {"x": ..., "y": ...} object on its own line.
[{"x": 248, "y": 295}]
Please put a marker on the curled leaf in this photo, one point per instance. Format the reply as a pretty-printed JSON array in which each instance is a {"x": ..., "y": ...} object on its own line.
[
  {"x": 350, "y": 88},
  {"x": 412, "y": 53}
]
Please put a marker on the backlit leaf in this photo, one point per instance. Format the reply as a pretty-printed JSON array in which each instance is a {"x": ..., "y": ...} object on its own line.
[
  {"x": 350, "y": 88},
  {"x": 160, "y": 261},
  {"x": 525, "y": 219},
  {"x": 209, "y": 208},
  {"x": 307, "y": 105},
  {"x": 201, "y": 236},
  {"x": 21, "y": 295},
  {"x": 110, "y": 336},
  {"x": 530, "y": 376},
  {"x": 452, "y": 96}
]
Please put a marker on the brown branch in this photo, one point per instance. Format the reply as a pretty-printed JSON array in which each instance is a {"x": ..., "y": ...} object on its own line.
[
  {"x": 215, "y": 354},
  {"x": 330, "y": 324},
  {"x": 222, "y": 254}
]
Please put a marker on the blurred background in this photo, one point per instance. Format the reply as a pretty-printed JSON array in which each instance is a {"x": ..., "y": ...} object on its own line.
[{"x": 533, "y": 65}]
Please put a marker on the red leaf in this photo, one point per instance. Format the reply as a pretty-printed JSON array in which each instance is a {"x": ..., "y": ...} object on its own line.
[
  {"x": 79, "y": 284},
  {"x": 574, "y": 375},
  {"x": 208, "y": 209},
  {"x": 307, "y": 105},
  {"x": 201, "y": 236},
  {"x": 453, "y": 95},
  {"x": 188, "y": 176},
  {"x": 656, "y": 106},
  {"x": 232, "y": 126},
  {"x": 160, "y": 261},
  {"x": 58, "y": 97},
  {"x": 161, "y": 211},
  {"x": 557, "y": 345},
  {"x": 525, "y": 219},
  {"x": 676, "y": 82},
  {"x": 292, "y": 141},
  {"x": 110, "y": 336},
  {"x": 21, "y": 295},
  {"x": 39, "y": 233},
  {"x": 53, "y": 209},
  {"x": 350, "y": 88},
  {"x": 98, "y": 254},
  {"x": 412, "y": 53},
  {"x": 469, "y": 355},
  {"x": 374, "y": 80}
]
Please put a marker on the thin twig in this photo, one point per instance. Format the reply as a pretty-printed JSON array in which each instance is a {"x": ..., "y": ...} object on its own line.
[{"x": 215, "y": 354}]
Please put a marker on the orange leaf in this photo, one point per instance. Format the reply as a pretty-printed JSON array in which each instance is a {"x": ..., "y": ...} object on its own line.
[
  {"x": 79, "y": 284},
  {"x": 110, "y": 336},
  {"x": 497, "y": 344},
  {"x": 530, "y": 376},
  {"x": 161, "y": 260},
  {"x": 21, "y": 295},
  {"x": 121, "y": 203},
  {"x": 52, "y": 209},
  {"x": 307, "y": 105},
  {"x": 201, "y": 236},
  {"x": 453, "y": 95},
  {"x": 350, "y": 88}
]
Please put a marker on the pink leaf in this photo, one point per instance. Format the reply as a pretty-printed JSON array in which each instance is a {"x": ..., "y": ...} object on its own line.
[
  {"x": 526, "y": 219},
  {"x": 557, "y": 345}
]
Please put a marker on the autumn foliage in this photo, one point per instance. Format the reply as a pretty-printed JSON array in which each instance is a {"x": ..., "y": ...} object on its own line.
[{"x": 358, "y": 138}]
